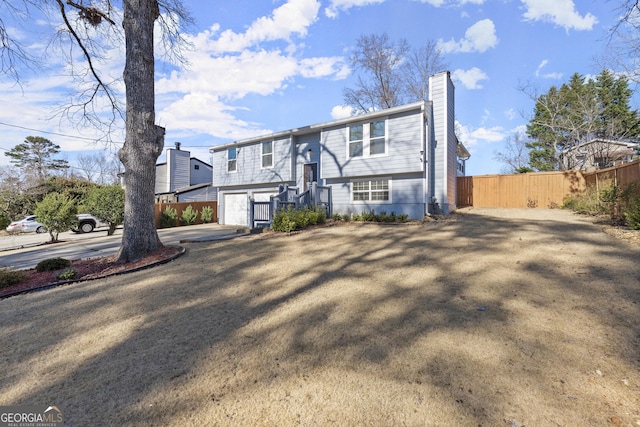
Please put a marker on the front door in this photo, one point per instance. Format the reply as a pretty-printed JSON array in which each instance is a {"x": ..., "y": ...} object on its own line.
[{"x": 310, "y": 174}]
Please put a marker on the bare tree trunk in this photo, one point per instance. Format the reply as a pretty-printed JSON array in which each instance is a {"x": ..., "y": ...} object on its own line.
[{"x": 144, "y": 140}]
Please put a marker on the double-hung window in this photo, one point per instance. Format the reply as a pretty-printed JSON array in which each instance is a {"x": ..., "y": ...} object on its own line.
[
  {"x": 377, "y": 138},
  {"x": 371, "y": 190},
  {"x": 355, "y": 140},
  {"x": 267, "y": 154},
  {"x": 232, "y": 165},
  {"x": 367, "y": 139}
]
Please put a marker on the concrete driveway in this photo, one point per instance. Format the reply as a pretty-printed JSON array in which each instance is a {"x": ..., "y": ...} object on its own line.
[{"x": 24, "y": 251}]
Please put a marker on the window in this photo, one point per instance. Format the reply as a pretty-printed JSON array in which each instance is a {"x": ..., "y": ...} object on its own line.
[
  {"x": 267, "y": 154},
  {"x": 377, "y": 144},
  {"x": 366, "y": 140},
  {"x": 355, "y": 140},
  {"x": 231, "y": 160},
  {"x": 196, "y": 167},
  {"x": 360, "y": 190},
  {"x": 374, "y": 190}
]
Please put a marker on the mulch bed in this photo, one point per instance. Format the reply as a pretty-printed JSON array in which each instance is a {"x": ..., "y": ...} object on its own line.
[{"x": 90, "y": 268}]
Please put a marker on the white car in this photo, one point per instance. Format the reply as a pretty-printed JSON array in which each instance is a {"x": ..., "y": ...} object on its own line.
[
  {"x": 86, "y": 223},
  {"x": 27, "y": 224}
]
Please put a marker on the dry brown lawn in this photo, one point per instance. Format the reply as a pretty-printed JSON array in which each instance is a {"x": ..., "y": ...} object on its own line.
[{"x": 490, "y": 318}]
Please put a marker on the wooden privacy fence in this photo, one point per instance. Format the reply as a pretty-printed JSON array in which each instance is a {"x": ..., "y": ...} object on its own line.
[
  {"x": 180, "y": 206},
  {"x": 530, "y": 190},
  {"x": 619, "y": 175}
]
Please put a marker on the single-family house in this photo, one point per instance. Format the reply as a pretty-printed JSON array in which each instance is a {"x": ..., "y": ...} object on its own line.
[
  {"x": 403, "y": 159},
  {"x": 183, "y": 178},
  {"x": 598, "y": 153}
]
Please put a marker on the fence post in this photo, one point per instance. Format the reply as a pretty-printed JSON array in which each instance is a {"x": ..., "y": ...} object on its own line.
[
  {"x": 313, "y": 199},
  {"x": 251, "y": 212}
]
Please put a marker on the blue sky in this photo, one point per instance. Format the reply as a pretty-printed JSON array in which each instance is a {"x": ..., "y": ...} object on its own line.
[{"x": 260, "y": 66}]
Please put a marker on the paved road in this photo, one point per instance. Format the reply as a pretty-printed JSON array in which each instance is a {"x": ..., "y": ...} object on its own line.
[{"x": 26, "y": 250}]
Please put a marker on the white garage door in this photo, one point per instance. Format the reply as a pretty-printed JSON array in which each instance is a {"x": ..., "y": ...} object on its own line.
[{"x": 235, "y": 209}]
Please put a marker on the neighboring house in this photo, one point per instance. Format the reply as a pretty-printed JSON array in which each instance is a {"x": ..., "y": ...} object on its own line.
[
  {"x": 463, "y": 155},
  {"x": 183, "y": 178},
  {"x": 598, "y": 154},
  {"x": 403, "y": 160}
]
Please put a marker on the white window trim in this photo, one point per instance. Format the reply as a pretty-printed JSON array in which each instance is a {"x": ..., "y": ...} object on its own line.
[
  {"x": 366, "y": 139},
  {"x": 372, "y": 202},
  {"x": 273, "y": 160},
  {"x": 228, "y": 160}
]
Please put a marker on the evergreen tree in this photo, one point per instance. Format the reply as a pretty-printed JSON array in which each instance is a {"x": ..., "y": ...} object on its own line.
[
  {"x": 35, "y": 156},
  {"x": 580, "y": 111}
]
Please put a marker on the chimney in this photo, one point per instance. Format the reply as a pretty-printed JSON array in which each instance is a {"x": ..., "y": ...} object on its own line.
[{"x": 178, "y": 144}]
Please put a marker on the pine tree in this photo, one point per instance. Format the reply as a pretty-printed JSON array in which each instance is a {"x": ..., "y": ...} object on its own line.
[
  {"x": 580, "y": 111},
  {"x": 35, "y": 157}
]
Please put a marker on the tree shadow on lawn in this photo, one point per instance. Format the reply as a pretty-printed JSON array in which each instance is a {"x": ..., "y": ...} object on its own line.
[{"x": 466, "y": 322}]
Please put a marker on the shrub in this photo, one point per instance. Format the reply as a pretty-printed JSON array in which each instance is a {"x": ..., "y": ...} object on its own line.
[
  {"x": 587, "y": 203},
  {"x": 371, "y": 216},
  {"x": 632, "y": 214},
  {"x": 368, "y": 216},
  {"x": 168, "y": 217},
  {"x": 610, "y": 198},
  {"x": 290, "y": 219},
  {"x": 107, "y": 204},
  {"x": 189, "y": 216},
  {"x": 383, "y": 217},
  {"x": 52, "y": 264},
  {"x": 336, "y": 217},
  {"x": 9, "y": 277},
  {"x": 206, "y": 214},
  {"x": 57, "y": 212},
  {"x": 67, "y": 274}
]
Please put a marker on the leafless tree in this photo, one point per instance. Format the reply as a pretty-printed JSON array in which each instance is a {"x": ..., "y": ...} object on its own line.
[
  {"x": 515, "y": 157},
  {"x": 390, "y": 73},
  {"x": 98, "y": 168},
  {"x": 89, "y": 26},
  {"x": 422, "y": 63},
  {"x": 623, "y": 52}
]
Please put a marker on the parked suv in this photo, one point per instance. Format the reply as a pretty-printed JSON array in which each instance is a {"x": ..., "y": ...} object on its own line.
[{"x": 87, "y": 223}]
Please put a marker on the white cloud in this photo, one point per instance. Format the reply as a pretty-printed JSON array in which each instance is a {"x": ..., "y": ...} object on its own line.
[
  {"x": 480, "y": 37},
  {"x": 336, "y": 6},
  {"x": 511, "y": 114},
  {"x": 470, "y": 136},
  {"x": 197, "y": 112},
  {"x": 439, "y": 3},
  {"x": 470, "y": 78},
  {"x": 539, "y": 73},
  {"x": 341, "y": 112},
  {"x": 559, "y": 12},
  {"x": 226, "y": 67},
  {"x": 293, "y": 17}
]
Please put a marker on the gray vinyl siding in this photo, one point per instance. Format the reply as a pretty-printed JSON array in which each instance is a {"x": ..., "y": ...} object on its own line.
[
  {"x": 162, "y": 181},
  {"x": 407, "y": 196},
  {"x": 444, "y": 154},
  {"x": 178, "y": 163},
  {"x": 404, "y": 142},
  {"x": 201, "y": 175},
  {"x": 249, "y": 170},
  {"x": 205, "y": 194}
]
